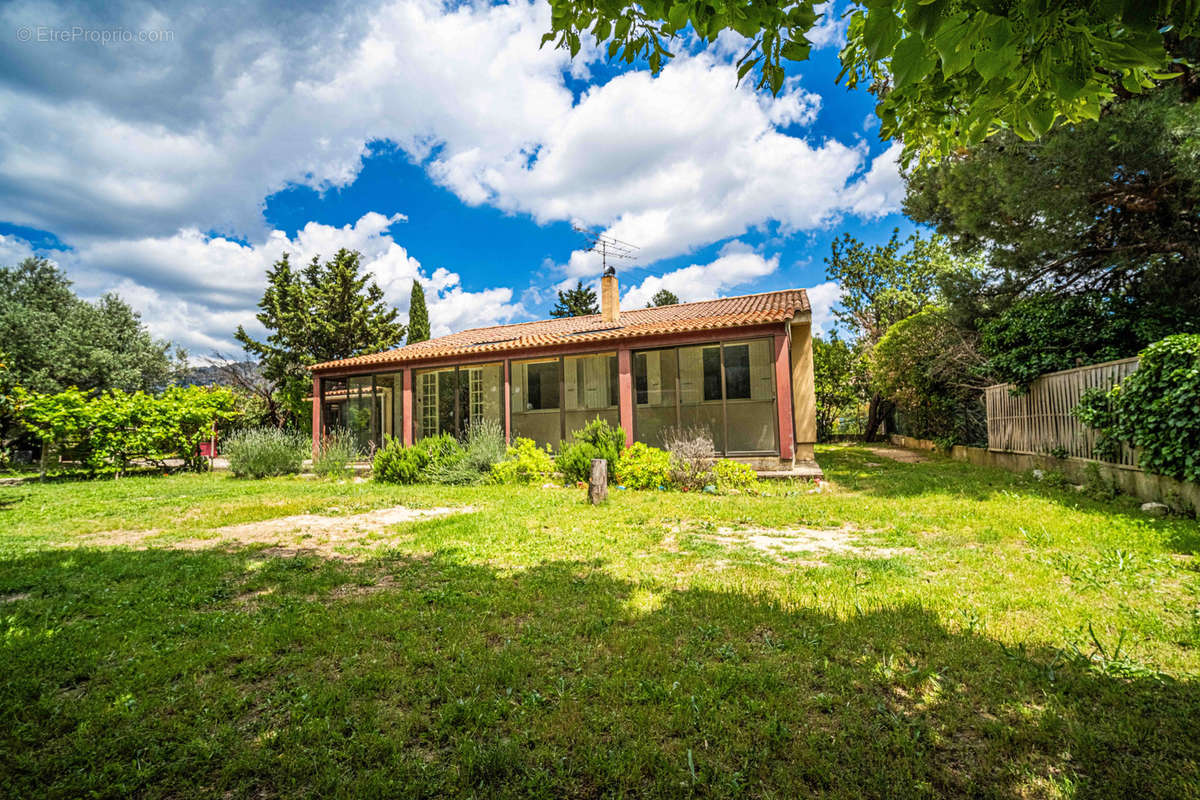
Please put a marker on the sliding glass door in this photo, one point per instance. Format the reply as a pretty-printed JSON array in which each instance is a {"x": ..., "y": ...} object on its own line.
[
  {"x": 452, "y": 399},
  {"x": 725, "y": 389},
  {"x": 537, "y": 400},
  {"x": 367, "y": 407}
]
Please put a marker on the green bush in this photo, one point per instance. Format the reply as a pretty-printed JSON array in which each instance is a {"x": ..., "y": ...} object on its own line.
[
  {"x": 395, "y": 463},
  {"x": 597, "y": 439},
  {"x": 1156, "y": 409},
  {"x": 439, "y": 451},
  {"x": 470, "y": 463},
  {"x": 644, "y": 467},
  {"x": 263, "y": 452},
  {"x": 441, "y": 459},
  {"x": 110, "y": 432},
  {"x": 338, "y": 449},
  {"x": 574, "y": 460},
  {"x": 524, "y": 462},
  {"x": 734, "y": 476}
]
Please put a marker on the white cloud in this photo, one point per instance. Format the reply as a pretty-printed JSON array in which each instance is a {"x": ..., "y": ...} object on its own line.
[
  {"x": 215, "y": 283},
  {"x": 822, "y": 298},
  {"x": 709, "y": 161},
  {"x": 830, "y": 30},
  {"x": 13, "y": 250},
  {"x": 881, "y": 191},
  {"x": 196, "y": 132},
  {"x": 736, "y": 264},
  {"x": 130, "y": 153}
]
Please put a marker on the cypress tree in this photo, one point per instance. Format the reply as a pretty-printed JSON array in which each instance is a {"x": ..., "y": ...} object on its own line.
[{"x": 418, "y": 315}]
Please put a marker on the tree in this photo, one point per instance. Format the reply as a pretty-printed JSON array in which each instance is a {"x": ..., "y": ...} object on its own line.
[
  {"x": 839, "y": 375},
  {"x": 259, "y": 404},
  {"x": 418, "y": 315},
  {"x": 1111, "y": 206},
  {"x": 1092, "y": 235},
  {"x": 930, "y": 370},
  {"x": 55, "y": 340},
  {"x": 577, "y": 302},
  {"x": 1046, "y": 332},
  {"x": 881, "y": 285},
  {"x": 663, "y": 297},
  {"x": 325, "y": 312},
  {"x": 947, "y": 74}
]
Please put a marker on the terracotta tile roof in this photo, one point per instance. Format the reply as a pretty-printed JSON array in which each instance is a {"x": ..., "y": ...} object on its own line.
[{"x": 726, "y": 312}]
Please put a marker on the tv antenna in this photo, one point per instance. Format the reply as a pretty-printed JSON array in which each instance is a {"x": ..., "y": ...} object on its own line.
[{"x": 607, "y": 247}]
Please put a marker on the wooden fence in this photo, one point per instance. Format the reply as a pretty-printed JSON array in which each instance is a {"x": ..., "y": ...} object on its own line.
[{"x": 1040, "y": 422}]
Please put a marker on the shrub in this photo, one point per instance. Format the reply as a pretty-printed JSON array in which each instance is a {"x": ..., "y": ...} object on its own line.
[
  {"x": 471, "y": 463},
  {"x": 524, "y": 462},
  {"x": 395, "y": 463},
  {"x": 574, "y": 460},
  {"x": 337, "y": 450},
  {"x": 734, "y": 476},
  {"x": 644, "y": 467},
  {"x": 263, "y": 452},
  {"x": 113, "y": 430},
  {"x": 1155, "y": 409},
  {"x": 692, "y": 457},
  {"x": 597, "y": 439}
]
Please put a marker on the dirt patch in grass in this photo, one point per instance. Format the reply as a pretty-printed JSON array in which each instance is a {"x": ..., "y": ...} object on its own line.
[
  {"x": 13, "y": 598},
  {"x": 300, "y": 534},
  {"x": 899, "y": 454},
  {"x": 783, "y": 542}
]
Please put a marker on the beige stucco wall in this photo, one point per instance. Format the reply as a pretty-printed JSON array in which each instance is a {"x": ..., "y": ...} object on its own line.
[{"x": 804, "y": 397}]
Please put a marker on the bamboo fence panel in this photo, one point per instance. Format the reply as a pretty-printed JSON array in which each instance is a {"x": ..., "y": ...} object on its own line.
[{"x": 1040, "y": 422}]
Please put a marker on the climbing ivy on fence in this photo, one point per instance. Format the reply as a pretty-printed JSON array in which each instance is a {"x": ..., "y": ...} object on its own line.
[{"x": 1156, "y": 409}]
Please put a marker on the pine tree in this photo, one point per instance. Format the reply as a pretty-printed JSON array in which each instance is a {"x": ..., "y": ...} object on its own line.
[
  {"x": 577, "y": 302},
  {"x": 418, "y": 315},
  {"x": 663, "y": 297},
  {"x": 324, "y": 312}
]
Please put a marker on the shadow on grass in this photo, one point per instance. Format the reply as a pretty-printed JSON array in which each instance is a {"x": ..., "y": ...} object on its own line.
[{"x": 187, "y": 674}]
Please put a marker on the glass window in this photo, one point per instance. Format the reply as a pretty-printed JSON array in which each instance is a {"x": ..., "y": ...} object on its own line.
[
  {"x": 368, "y": 407},
  {"x": 737, "y": 372},
  {"x": 535, "y": 400},
  {"x": 434, "y": 404},
  {"x": 388, "y": 399},
  {"x": 727, "y": 390},
  {"x": 333, "y": 411},
  {"x": 591, "y": 390},
  {"x": 750, "y": 402},
  {"x": 654, "y": 379},
  {"x": 541, "y": 386},
  {"x": 480, "y": 389},
  {"x": 450, "y": 399},
  {"x": 712, "y": 373},
  {"x": 700, "y": 406},
  {"x": 360, "y": 419}
]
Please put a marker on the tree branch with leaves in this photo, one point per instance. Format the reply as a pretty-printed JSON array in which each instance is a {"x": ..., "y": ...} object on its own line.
[{"x": 948, "y": 73}]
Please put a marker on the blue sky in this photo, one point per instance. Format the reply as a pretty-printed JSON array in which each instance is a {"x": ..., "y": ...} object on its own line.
[{"x": 437, "y": 139}]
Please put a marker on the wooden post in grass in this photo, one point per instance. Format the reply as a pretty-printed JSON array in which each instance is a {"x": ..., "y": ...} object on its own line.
[{"x": 598, "y": 484}]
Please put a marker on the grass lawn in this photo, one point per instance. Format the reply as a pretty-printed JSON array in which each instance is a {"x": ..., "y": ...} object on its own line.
[{"x": 972, "y": 633}]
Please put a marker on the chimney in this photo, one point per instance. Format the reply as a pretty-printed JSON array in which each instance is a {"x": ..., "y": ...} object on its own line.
[{"x": 610, "y": 307}]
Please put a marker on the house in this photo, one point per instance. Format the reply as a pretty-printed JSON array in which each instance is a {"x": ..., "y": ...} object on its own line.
[{"x": 739, "y": 367}]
